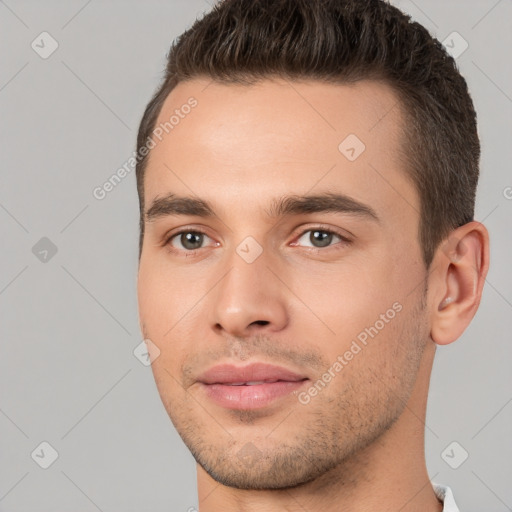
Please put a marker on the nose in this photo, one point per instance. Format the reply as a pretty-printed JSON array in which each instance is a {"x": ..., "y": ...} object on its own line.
[{"x": 249, "y": 299}]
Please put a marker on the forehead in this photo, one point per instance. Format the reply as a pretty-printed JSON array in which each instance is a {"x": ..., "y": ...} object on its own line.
[{"x": 238, "y": 143}]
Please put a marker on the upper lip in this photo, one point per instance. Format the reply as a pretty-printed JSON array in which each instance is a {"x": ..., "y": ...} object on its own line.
[{"x": 255, "y": 372}]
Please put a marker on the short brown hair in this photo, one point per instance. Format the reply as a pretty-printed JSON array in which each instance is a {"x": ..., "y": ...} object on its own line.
[{"x": 345, "y": 41}]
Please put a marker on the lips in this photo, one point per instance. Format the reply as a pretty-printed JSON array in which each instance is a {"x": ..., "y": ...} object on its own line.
[
  {"x": 249, "y": 387},
  {"x": 255, "y": 373}
]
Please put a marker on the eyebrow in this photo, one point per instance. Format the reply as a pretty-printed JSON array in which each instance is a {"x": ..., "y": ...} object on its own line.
[{"x": 172, "y": 205}]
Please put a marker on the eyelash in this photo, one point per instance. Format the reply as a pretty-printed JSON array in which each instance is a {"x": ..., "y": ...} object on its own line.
[{"x": 193, "y": 252}]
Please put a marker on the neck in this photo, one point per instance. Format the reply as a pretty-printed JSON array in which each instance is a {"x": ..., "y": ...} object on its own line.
[{"x": 388, "y": 475}]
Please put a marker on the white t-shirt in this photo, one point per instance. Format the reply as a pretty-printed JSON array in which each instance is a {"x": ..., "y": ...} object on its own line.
[{"x": 445, "y": 494}]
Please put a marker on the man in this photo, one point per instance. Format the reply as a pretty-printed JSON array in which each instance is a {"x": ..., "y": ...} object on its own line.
[{"x": 307, "y": 179}]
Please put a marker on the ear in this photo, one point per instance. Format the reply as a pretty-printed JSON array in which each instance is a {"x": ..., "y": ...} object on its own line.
[{"x": 461, "y": 264}]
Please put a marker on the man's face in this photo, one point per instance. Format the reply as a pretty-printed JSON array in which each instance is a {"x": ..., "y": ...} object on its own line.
[{"x": 300, "y": 288}]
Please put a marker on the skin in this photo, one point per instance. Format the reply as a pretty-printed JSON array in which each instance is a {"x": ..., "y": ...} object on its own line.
[{"x": 359, "y": 443}]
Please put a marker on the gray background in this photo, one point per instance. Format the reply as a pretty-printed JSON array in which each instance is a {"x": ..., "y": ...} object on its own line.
[{"x": 68, "y": 327}]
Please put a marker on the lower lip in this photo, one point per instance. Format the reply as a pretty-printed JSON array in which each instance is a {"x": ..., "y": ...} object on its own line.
[{"x": 250, "y": 397}]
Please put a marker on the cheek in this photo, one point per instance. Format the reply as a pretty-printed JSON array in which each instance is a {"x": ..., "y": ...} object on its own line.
[
  {"x": 155, "y": 305},
  {"x": 166, "y": 316},
  {"x": 158, "y": 301},
  {"x": 148, "y": 294},
  {"x": 344, "y": 301}
]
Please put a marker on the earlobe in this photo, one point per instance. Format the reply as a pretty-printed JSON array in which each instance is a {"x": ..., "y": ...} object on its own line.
[{"x": 462, "y": 262}]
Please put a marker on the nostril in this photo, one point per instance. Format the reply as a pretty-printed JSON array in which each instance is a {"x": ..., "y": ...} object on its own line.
[{"x": 260, "y": 322}]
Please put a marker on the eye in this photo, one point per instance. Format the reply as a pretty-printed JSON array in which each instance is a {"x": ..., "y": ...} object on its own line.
[
  {"x": 187, "y": 240},
  {"x": 319, "y": 238}
]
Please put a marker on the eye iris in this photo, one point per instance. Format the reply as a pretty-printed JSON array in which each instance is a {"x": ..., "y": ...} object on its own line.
[
  {"x": 191, "y": 238},
  {"x": 320, "y": 238}
]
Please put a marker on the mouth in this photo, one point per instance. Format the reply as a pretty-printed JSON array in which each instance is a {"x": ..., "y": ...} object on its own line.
[
  {"x": 249, "y": 387},
  {"x": 253, "y": 383}
]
